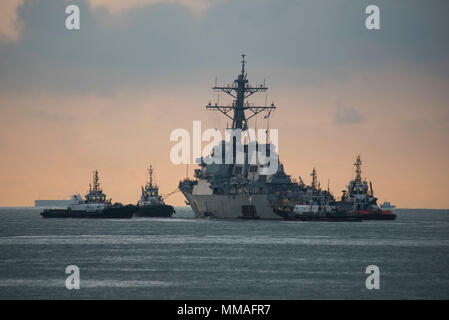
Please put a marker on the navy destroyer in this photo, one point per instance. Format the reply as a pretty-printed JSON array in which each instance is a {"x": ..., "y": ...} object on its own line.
[
  {"x": 222, "y": 189},
  {"x": 95, "y": 205},
  {"x": 151, "y": 203},
  {"x": 244, "y": 190}
]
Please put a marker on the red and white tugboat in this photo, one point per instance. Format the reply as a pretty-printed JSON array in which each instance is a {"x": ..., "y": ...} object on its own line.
[{"x": 358, "y": 199}]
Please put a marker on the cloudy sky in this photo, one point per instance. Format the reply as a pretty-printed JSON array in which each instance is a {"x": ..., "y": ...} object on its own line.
[{"x": 108, "y": 95}]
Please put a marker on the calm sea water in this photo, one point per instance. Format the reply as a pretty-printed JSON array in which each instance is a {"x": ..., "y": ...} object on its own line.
[{"x": 185, "y": 258}]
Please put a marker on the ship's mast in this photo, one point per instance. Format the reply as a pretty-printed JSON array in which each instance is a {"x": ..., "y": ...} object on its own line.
[
  {"x": 314, "y": 178},
  {"x": 358, "y": 169},
  {"x": 96, "y": 183},
  {"x": 150, "y": 172},
  {"x": 240, "y": 90}
]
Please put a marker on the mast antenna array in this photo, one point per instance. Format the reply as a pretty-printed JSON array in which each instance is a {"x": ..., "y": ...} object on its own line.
[
  {"x": 96, "y": 181},
  {"x": 240, "y": 90},
  {"x": 358, "y": 169},
  {"x": 150, "y": 173}
]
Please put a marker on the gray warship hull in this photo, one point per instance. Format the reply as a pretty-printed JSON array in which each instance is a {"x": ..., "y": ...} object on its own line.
[{"x": 239, "y": 206}]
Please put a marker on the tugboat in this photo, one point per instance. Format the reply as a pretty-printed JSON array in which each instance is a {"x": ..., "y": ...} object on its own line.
[
  {"x": 94, "y": 205},
  {"x": 319, "y": 213},
  {"x": 316, "y": 205},
  {"x": 151, "y": 203},
  {"x": 358, "y": 199}
]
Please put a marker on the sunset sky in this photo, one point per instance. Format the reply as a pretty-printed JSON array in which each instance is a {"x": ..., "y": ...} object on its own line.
[{"x": 108, "y": 95}]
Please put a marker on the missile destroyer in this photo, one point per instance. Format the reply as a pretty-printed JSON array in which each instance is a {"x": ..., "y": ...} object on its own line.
[
  {"x": 244, "y": 190},
  {"x": 95, "y": 205},
  {"x": 241, "y": 190},
  {"x": 151, "y": 203}
]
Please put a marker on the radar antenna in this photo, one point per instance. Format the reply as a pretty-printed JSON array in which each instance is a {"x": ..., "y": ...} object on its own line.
[
  {"x": 96, "y": 181},
  {"x": 240, "y": 90},
  {"x": 150, "y": 172},
  {"x": 314, "y": 179},
  {"x": 358, "y": 169}
]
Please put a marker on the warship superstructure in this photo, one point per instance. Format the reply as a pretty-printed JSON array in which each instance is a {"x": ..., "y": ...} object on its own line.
[
  {"x": 151, "y": 203},
  {"x": 240, "y": 190},
  {"x": 94, "y": 205}
]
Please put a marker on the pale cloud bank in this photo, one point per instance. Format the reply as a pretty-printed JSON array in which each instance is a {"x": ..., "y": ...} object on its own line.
[{"x": 10, "y": 27}]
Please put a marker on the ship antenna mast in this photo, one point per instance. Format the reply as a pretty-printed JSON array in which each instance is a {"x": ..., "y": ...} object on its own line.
[
  {"x": 240, "y": 90},
  {"x": 96, "y": 183},
  {"x": 150, "y": 172},
  {"x": 313, "y": 179},
  {"x": 358, "y": 169}
]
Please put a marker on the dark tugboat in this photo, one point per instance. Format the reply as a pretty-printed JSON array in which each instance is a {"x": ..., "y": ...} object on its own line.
[
  {"x": 358, "y": 199},
  {"x": 151, "y": 204},
  {"x": 94, "y": 205},
  {"x": 316, "y": 205}
]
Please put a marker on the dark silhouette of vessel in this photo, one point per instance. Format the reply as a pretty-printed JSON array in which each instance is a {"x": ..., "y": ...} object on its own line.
[
  {"x": 359, "y": 199},
  {"x": 151, "y": 204},
  {"x": 94, "y": 206}
]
